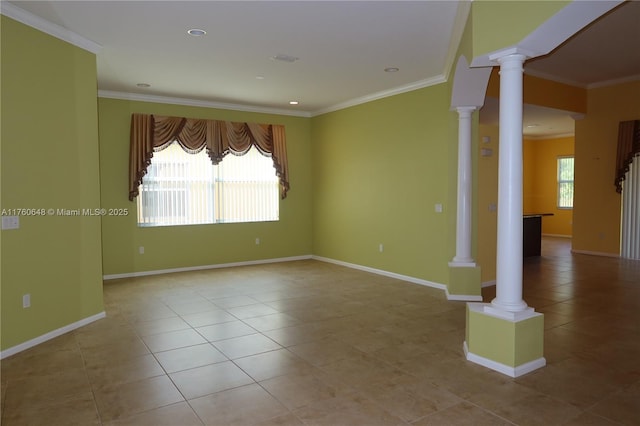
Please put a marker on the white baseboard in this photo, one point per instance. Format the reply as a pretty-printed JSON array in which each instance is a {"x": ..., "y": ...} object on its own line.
[
  {"x": 463, "y": 297},
  {"x": 488, "y": 284},
  {"x": 51, "y": 335},
  {"x": 382, "y": 272},
  {"x": 518, "y": 371},
  {"x": 204, "y": 267},
  {"x": 594, "y": 253}
]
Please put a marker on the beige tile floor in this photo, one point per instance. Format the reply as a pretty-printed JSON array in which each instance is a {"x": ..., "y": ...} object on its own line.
[{"x": 313, "y": 343}]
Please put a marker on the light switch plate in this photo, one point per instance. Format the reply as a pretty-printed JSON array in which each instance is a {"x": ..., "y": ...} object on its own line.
[{"x": 10, "y": 222}]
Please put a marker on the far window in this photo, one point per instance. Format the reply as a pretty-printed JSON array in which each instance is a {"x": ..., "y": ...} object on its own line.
[
  {"x": 186, "y": 189},
  {"x": 565, "y": 182}
]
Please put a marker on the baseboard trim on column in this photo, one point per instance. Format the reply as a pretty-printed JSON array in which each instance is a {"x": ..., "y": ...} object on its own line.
[{"x": 517, "y": 371}]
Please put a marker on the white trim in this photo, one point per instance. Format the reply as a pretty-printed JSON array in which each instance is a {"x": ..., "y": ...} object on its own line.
[
  {"x": 488, "y": 284},
  {"x": 553, "y": 136},
  {"x": 518, "y": 316},
  {"x": 462, "y": 297},
  {"x": 109, "y": 94},
  {"x": 551, "y": 77},
  {"x": 28, "y": 18},
  {"x": 51, "y": 335},
  {"x": 197, "y": 103},
  {"x": 514, "y": 372},
  {"x": 455, "y": 264},
  {"x": 204, "y": 267},
  {"x": 614, "y": 82},
  {"x": 495, "y": 56},
  {"x": 594, "y": 253},
  {"x": 382, "y": 272},
  {"x": 459, "y": 24},
  {"x": 490, "y": 310},
  {"x": 383, "y": 94}
]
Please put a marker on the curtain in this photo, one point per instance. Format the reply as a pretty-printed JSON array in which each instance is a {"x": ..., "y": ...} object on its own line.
[
  {"x": 151, "y": 133},
  {"x": 628, "y": 147}
]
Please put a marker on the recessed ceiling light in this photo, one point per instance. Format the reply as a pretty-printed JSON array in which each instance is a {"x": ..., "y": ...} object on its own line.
[
  {"x": 293, "y": 102},
  {"x": 284, "y": 58},
  {"x": 259, "y": 77},
  {"x": 145, "y": 85},
  {"x": 391, "y": 69},
  {"x": 196, "y": 32}
]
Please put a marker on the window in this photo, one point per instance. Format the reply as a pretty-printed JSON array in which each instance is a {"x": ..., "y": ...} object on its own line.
[
  {"x": 186, "y": 189},
  {"x": 565, "y": 182}
]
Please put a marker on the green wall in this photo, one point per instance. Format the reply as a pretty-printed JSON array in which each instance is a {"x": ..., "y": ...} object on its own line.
[
  {"x": 197, "y": 245},
  {"x": 379, "y": 169},
  {"x": 503, "y": 23},
  {"x": 49, "y": 161}
]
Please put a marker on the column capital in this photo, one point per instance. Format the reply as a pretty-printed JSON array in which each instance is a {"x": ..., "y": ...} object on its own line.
[
  {"x": 466, "y": 110},
  {"x": 513, "y": 53}
]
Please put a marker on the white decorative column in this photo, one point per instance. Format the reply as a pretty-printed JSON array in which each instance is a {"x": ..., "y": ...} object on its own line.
[
  {"x": 463, "y": 220},
  {"x": 469, "y": 89},
  {"x": 509, "y": 255},
  {"x": 506, "y": 335},
  {"x": 464, "y": 275}
]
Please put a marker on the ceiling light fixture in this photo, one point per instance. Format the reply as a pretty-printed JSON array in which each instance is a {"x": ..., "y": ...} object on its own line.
[
  {"x": 144, "y": 85},
  {"x": 284, "y": 58},
  {"x": 293, "y": 102},
  {"x": 196, "y": 32},
  {"x": 391, "y": 69},
  {"x": 259, "y": 77}
]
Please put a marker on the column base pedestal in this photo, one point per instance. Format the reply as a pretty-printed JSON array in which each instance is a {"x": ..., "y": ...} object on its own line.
[
  {"x": 464, "y": 283},
  {"x": 513, "y": 347}
]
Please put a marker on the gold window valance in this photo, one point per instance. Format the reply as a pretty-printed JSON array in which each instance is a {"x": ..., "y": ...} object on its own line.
[{"x": 152, "y": 133}]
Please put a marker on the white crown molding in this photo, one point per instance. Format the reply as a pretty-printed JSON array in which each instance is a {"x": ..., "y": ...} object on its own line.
[
  {"x": 554, "y": 136},
  {"x": 459, "y": 24},
  {"x": 383, "y": 94},
  {"x": 614, "y": 82},
  {"x": 197, "y": 103},
  {"x": 47, "y": 27},
  {"x": 551, "y": 77},
  {"x": 266, "y": 110}
]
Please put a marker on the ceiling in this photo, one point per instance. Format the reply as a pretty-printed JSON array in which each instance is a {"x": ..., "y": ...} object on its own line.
[{"x": 260, "y": 55}]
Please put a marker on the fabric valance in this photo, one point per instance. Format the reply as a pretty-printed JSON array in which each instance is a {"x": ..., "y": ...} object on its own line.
[
  {"x": 152, "y": 133},
  {"x": 628, "y": 147}
]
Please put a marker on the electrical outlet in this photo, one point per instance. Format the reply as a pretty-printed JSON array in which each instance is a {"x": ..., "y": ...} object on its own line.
[
  {"x": 257, "y": 241},
  {"x": 438, "y": 208},
  {"x": 26, "y": 301},
  {"x": 141, "y": 249},
  {"x": 381, "y": 247}
]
